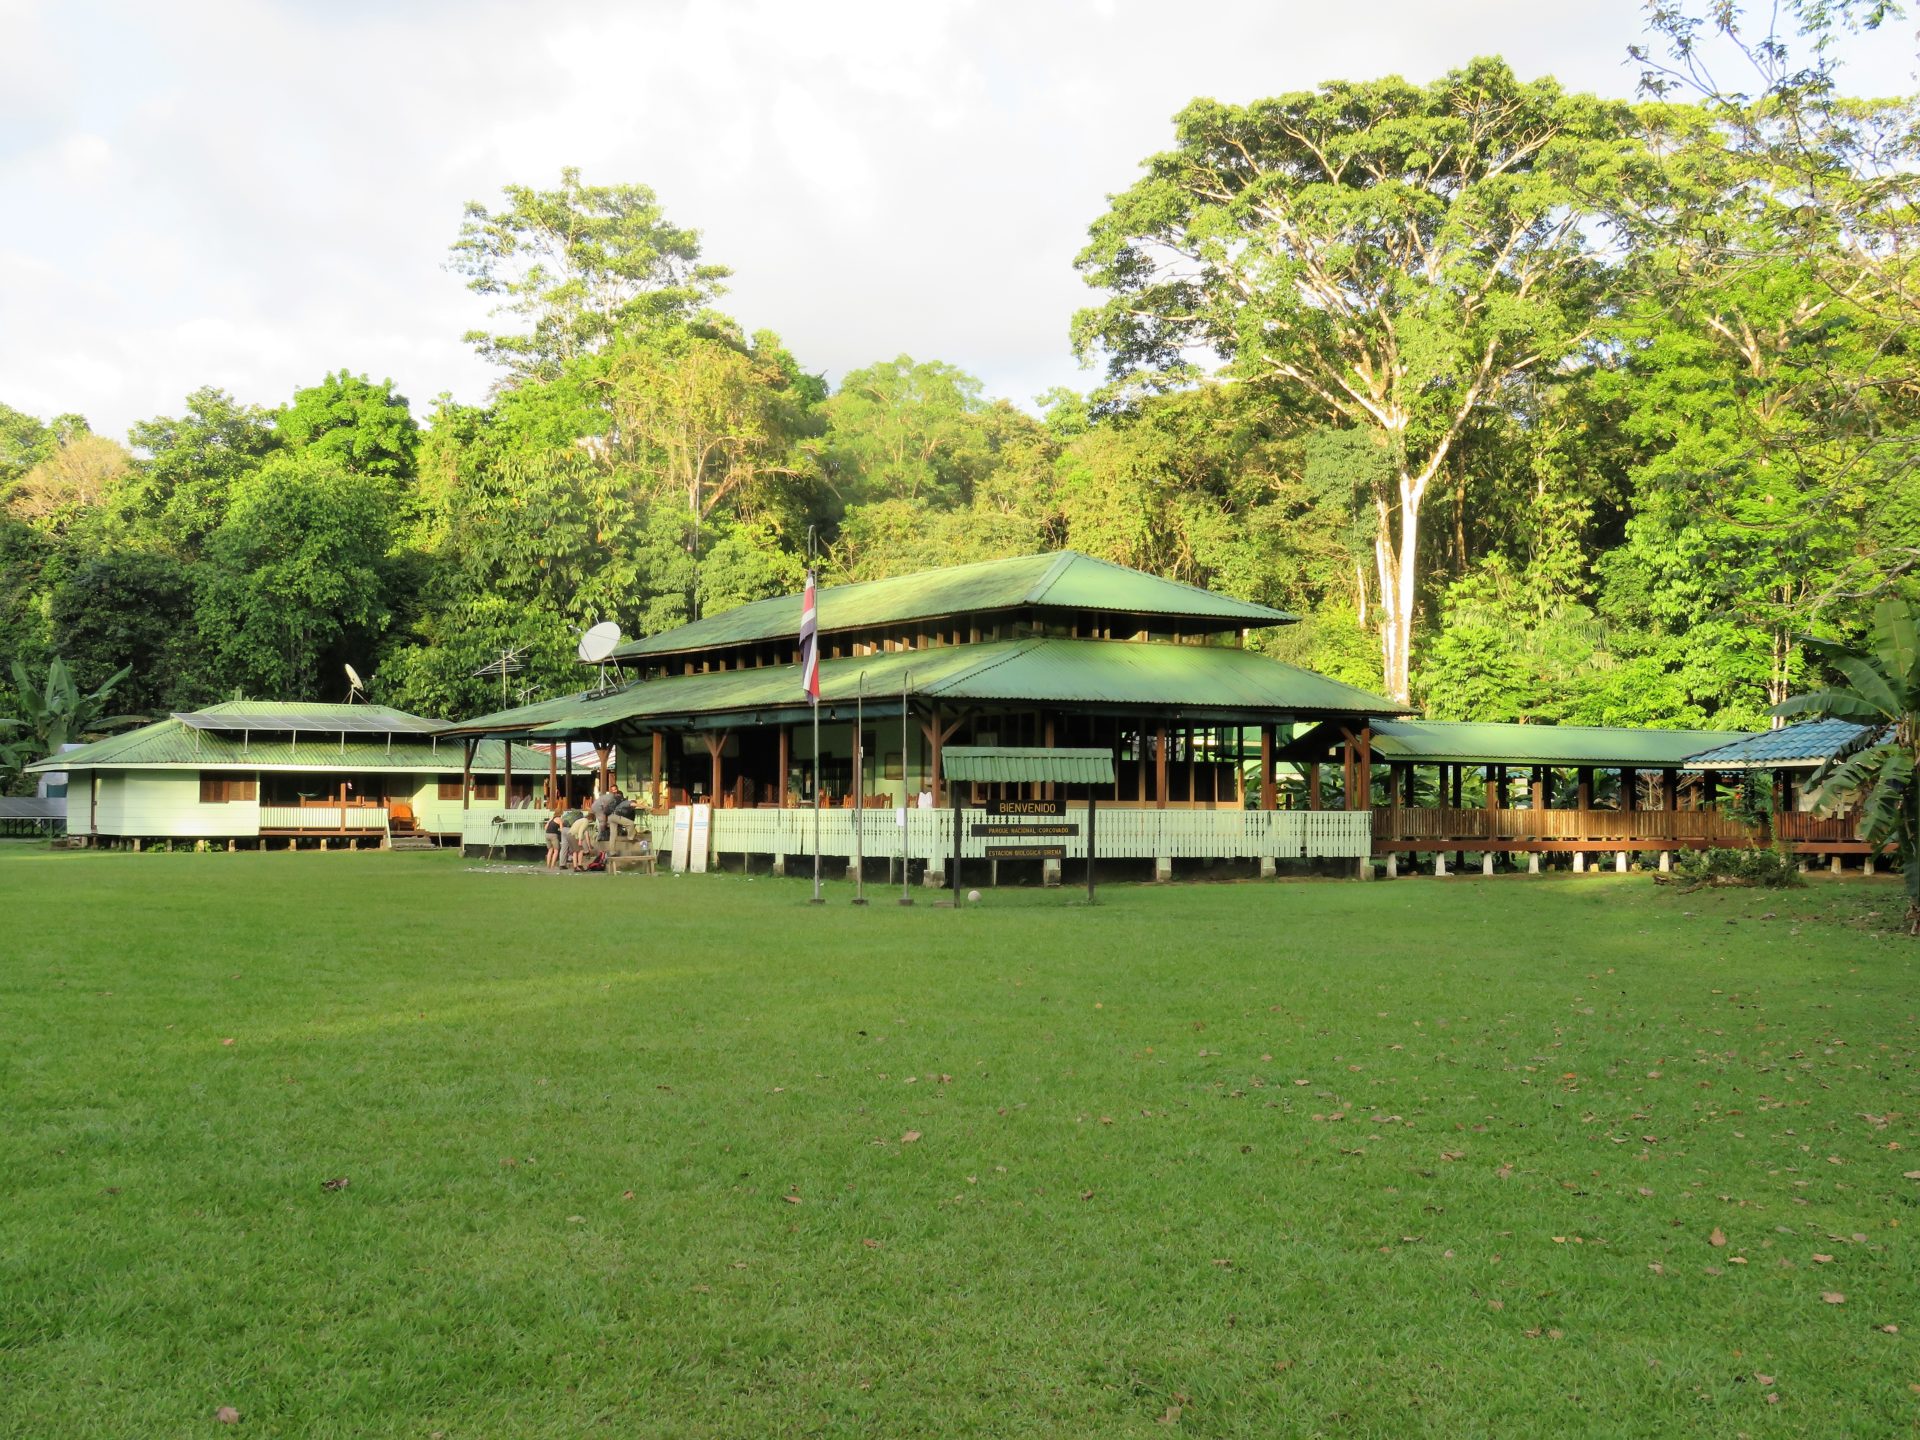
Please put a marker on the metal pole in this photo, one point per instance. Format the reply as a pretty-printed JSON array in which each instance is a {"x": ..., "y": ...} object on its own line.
[
  {"x": 860, "y": 790},
  {"x": 1092, "y": 804},
  {"x": 906, "y": 850}
]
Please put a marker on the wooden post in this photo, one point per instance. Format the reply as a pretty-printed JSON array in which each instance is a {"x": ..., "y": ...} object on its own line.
[
  {"x": 715, "y": 742},
  {"x": 1160, "y": 768},
  {"x": 506, "y": 778},
  {"x": 660, "y": 765},
  {"x": 466, "y": 777},
  {"x": 1454, "y": 787},
  {"x": 1670, "y": 789},
  {"x": 604, "y": 753},
  {"x": 1583, "y": 780},
  {"x": 1539, "y": 787},
  {"x": 569, "y": 773},
  {"x": 1049, "y": 785},
  {"x": 1364, "y": 776},
  {"x": 1629, "y": 788},
  {"x": 786, "y": 765},
  {"x": 553, "y": 775},
  {"x": 1269, "y": 791},
  {"x": 1493, "y": 793},
  {"x": 1346, "y": 769},
  {"x": 1313, "y": 785}
]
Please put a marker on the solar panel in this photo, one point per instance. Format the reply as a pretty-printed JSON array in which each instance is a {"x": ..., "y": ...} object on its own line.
[{"x": 332, "y": 720}]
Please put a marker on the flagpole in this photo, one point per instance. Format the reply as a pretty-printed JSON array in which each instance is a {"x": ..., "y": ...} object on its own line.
[
  {"x": 906, "y": 850},
  {"x": 810, "y": 660},
  {"x": 860, "y": 791}
]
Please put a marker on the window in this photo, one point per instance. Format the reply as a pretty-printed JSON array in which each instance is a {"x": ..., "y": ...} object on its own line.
[
  {"x": 449, "y": 787},
  {"x": 220, "y": 789}
]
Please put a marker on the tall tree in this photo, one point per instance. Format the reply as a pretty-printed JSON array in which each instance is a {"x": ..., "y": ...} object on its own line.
[
  {"x": 178, "y": 493},
  {"x": 350, "y": 420},
  {"x": 578, "y": 265},
  {"x": 1394, "y": 255}
]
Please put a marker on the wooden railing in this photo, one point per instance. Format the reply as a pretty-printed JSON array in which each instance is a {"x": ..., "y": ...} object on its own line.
[
  {"x": 323, "y": 815},
  {"x": 1684, "y": 827}
]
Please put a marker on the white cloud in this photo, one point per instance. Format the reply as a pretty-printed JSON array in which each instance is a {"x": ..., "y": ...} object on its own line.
[{"x": 250, "y": 194}]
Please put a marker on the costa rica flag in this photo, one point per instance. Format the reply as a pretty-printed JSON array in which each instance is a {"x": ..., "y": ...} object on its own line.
[{"x": 810, "y": 644}]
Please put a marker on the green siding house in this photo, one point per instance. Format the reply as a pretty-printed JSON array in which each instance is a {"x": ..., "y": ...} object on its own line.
[{"x": 249, "y": 771}]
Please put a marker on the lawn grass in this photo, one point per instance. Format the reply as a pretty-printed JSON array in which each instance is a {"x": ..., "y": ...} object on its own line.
[{"x": 687, "y": 1157}]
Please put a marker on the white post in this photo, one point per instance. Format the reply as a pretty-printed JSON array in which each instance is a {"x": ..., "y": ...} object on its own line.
[
  {"x": 1486, "y": 863},
  {"x": 1620, "y": 862},
  {"x": 1833, "y": 865},
  {"x": 1162, "y": 868},
  {"x": 1393, "y": 864},
  {"x": 1579, "y": 862},
  {"x": 1268, "y": 869},
  {"x": 1666, "y": 862},
  {"x": 1533, "y": 862},
  {"x": 1866, "y": 865},
  {"x": 1440, "y": 863}
]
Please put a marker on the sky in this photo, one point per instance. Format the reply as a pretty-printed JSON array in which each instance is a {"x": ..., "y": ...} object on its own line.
[{"x": 252, "y": 195}]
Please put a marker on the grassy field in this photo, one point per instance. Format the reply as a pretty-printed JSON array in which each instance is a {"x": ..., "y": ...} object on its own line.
[{"x": 375, "y": 1145}]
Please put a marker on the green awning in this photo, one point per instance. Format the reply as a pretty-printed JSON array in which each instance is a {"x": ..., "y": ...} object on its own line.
[{"x": 1020, "y": 765}]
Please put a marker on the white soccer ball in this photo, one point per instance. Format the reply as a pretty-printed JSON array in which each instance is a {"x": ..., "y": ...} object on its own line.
[{"x": 973, "y": 897}]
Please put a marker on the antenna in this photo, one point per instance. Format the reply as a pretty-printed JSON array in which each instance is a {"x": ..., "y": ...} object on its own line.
[
  {"x": 510, "y": 662},
  {"x": 597, "y": 645},
  {"x": 354, "y": 685}
]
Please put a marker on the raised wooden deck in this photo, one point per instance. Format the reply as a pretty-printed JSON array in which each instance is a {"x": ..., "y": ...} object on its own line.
[{"x": 1473, "y": 828}]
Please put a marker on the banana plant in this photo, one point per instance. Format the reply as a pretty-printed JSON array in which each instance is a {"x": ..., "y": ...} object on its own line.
[
  {"x": 51, "y": 714},
  {"x": 1879, "y": 691}
]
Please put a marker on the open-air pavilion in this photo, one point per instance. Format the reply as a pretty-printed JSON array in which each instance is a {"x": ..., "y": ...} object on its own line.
[
  {"x": 1043, "y": 651},
  {"x": 1442, "y": 788}
]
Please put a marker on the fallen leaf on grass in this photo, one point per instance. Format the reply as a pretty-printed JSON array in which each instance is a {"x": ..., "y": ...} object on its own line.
[
  {"x": 626, "y": 1194},
  {"x": 1086, "y": 1194},
  {"x": 1772, "y": 1399},
  {"x": 1833, "y": 1297},
  {"x": 228, "y": 1041},
  {"x": 576, "y": 1219},
  {"x": 1717, "y": 1238},
  {"x": 1224, "y": 1264},
  {"x": 871, "y": 1244},
  {"x": 227, "y": 1415},
  {"x": 909, "y": 1137},
  {"x": 1910, "y": 1175},
  {"x": 1496, "y": 1304},
  {"x": 1766, "y": 1380},
  {"x": 1823, "y": 1259},
  {"x": 791, "y": 1199},
  {"x": 338, "y": 1182},
  {"x": 1889, "y": 1329}
]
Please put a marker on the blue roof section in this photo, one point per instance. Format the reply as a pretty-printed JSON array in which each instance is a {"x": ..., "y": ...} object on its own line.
[{"x": 1809, "y": 743}]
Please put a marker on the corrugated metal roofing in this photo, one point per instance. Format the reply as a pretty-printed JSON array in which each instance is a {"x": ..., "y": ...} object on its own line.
[
  {"x": 1017, "y": 764},
  {"x": 32, "y": 807},
  {"x": 1065, "y": 580},
  {"x": 172, "y": 745},
  {"x": 273, "y": 715},
  {"x": 1791, "y": 747},
  {"x": 1193, "y": 679},
  {"x": 1451, "y": 742}
]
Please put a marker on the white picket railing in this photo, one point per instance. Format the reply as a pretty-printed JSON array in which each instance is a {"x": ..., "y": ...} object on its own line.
[
  {"x": 1119, "y": 833},
  {"x": 323, "y": 817}
]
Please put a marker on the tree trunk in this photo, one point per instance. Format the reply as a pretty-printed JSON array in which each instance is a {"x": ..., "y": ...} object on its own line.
[{"x": 1396, "y": 559}]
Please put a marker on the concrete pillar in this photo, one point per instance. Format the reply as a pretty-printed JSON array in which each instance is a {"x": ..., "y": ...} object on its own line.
[
  {"x": 136, "y": 846},
  {"x": 1533, "y": 862},
  {"x": 780, "y": 864},
  {"x": 1620, "y": 863},
  {"x": 1363, "y": 868},
  {"x": 1833, "y": 864},
  {"x": 1867, "y": 865},
  {"x": 1486, "y": 863},
  {"x": 1162, "y": 868},
  {"x": 934, "y": 877},
  {"x": 1579, "y": 862},
  {"x": 1666, "y": 862},
  {"x": 230, "y": 846},
  {"x": 1440, "y": 863},
  {"x": 1393, "y": 864},
  {"x": 1049, "y": 874},
  {"x": 1267, "y": 867},
  {"x": 323, "y": 842}
]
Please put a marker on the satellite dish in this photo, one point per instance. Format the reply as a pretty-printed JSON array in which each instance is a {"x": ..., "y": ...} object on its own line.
[
  {"x": 597, "y": 644},
  {"x": 354, "y": 684}
]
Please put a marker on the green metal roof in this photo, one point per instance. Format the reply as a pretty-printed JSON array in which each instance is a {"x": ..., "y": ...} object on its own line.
[
  {"x": 276, "y": 715},
  {"x": 1064, "y": 580},
  {"x": 168, "y": 744},
  {"x": 1792, "y": 747},
  {"x": 1450, "y": 742},
  {"x": 1191, "y": 680},
  {"x": 1017, "y": 764}
]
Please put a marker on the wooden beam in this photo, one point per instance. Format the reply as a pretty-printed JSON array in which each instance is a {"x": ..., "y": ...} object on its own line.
[
  {"x": 1583, "y": 788},
  {"x": 466, "y": 777},
  {"x": 1365, "y": 775},
  {"x": 1160, "y": 768},
  {"x": 1493, "y": 790},
  {"x": 659, "y": 773},
  {"x": 786, "y": 764},
  {"x": 1539, "y": 787},
  {"x": 1670, "y": 789}
]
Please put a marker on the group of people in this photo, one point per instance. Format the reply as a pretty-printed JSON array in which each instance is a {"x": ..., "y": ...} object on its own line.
[{"x": 577, "y": 838}]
